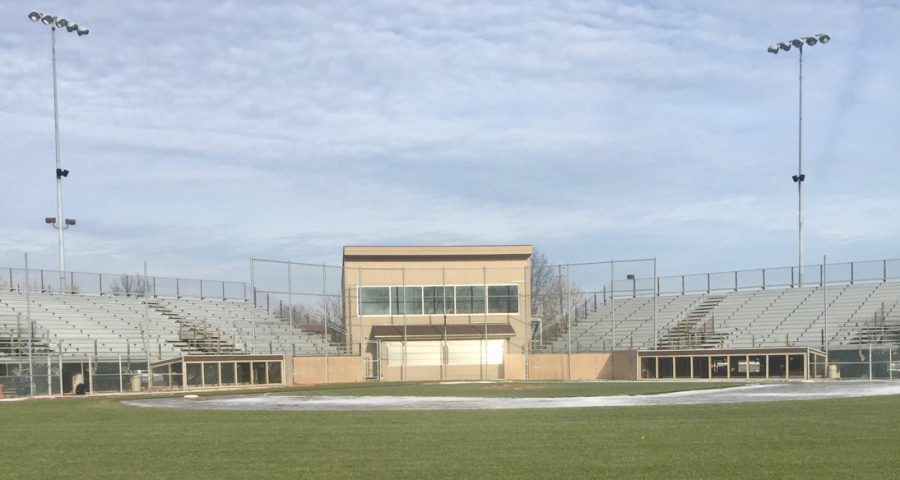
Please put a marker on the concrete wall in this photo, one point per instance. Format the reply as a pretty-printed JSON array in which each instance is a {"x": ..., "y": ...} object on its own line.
[
  {"x": 625, "y": 365},
  {"x": 514, "y": 366},
  {"x": 552, "y": 366},
  {"x": 584, "y": 366},
  {"x": 312, "y": 370}
]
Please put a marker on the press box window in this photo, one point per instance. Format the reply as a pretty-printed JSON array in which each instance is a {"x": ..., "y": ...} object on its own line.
[
  {"x": 374, "y": 301},
  {"x": 436, "y": 298},
  {"x": 406, "y": 300},
  {"x": 470, "y": 299},
  {"x": 503, "y": 299}
]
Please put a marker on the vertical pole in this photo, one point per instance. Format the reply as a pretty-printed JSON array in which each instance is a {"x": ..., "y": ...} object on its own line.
[
  {"x": 401, "y": 303},
  {"x": 60, "y": 374},
  {"x": 612, "y": 294},
  {"x": 362, "y": 343},
  {"x": 890, "y": 362},
  {"x": 764, "y": 279},
  {"x": 800, "y": 177},
  {"x": 252, "y": 310},
  {"x": 121, "y": 389},
  {"x": 825, "y": 304},
  {"x": 568, "y": 320},
  {"x": 526, "y": 288},
  {"x": 147, "y": 344},
  {"x": 30, "y": 330},
  {"x": 852, "y": 276},
  {"x": 90, "y": 375},
  {"x": 870, "y": 360},
  {"x": 325, "y": 320},
  {"x": 484, "y": 319},
  {"x": 655, "y": 294},
  {"x": 50, "y": 375},
  {"x": 444, "y": 312},
  {"x": 291, "y": 308},
  {"x": 60, "y": 220}
]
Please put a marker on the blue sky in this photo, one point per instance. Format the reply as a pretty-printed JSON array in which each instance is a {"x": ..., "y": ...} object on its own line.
[{"x": 199, "y": 134}]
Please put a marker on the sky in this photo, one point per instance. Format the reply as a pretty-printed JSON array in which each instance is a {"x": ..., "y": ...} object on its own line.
[{"x": 201, "y": 134}]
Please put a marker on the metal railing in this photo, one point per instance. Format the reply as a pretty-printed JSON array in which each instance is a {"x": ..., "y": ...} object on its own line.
[{"x": 48, "y": 281}]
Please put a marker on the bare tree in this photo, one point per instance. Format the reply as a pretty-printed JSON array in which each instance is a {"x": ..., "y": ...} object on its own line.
[
  {"x": 554, "y": 298},
  {"x": 130, "y": 285}
]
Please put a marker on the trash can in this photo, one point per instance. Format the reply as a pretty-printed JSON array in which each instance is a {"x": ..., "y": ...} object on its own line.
[
  {"x": 77, "y": 379},
  {"x": 136, "y": 381},
  {"x": 833, "y": 372}
]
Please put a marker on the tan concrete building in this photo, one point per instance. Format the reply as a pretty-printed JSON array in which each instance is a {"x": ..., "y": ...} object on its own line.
[{"x": 437, "y": 312}]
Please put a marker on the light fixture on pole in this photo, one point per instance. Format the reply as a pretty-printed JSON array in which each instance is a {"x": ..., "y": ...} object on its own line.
[
  {"x": 57, "y": 22},
  {"x": 798, "y": 43}
]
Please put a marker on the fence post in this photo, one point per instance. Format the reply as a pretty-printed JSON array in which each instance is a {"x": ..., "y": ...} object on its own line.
[
  {"x": 707, "y": 283},
  {"x": 120, "y": 374},
  {"x": 90, "y": 377},
  {"x": 870, "y": 360},
  {"x": 682, "y": 284},
  {"x": 50, "y": 375},
  {"x": 883, "y": 271},
  {"x": 851, "y": 273},
  {"x": 735, "y": 280},
  {"x": 177, "y": 288},
  {"x": 61, "y": 392}
]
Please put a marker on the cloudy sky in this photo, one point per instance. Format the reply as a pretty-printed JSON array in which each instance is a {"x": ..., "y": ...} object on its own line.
[{"x": 199, "y": 134}]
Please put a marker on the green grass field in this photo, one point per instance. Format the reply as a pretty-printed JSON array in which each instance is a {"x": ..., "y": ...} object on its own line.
[{"x": 101, "y": 438}]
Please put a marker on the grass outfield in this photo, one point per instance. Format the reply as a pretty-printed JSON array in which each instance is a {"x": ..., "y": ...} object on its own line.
[{"x": 101, "y": 438}]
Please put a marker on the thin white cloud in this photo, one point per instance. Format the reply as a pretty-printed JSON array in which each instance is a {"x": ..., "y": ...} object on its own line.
[{"x": 292, "y": 129}]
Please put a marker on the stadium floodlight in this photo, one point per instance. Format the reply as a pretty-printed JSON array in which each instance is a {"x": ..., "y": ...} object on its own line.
[
  {"x": 58, "y": 22},
  {"x": 800, "y": 177}
]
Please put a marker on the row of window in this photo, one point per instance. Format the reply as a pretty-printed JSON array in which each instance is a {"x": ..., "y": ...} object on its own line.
[{"x": 455, "y": 299}]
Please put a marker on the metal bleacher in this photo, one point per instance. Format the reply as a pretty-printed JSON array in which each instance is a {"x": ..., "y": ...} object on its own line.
[
  {"x": 856, "y": 313},
  {"x": 110, "y": 325}
]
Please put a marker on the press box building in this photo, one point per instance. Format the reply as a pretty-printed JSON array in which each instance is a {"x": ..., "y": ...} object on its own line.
[{"x": 426, "y": 313}]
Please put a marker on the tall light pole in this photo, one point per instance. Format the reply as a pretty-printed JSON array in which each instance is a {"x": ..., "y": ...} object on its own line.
[
  {"x": 59, "y": 222},
  {"x": 800, "y": 177}
]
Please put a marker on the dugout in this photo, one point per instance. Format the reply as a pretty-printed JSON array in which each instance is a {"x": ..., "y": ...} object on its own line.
[
  {"x": 191, "y": 372},
  {"x": 785, "y": 363}
]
